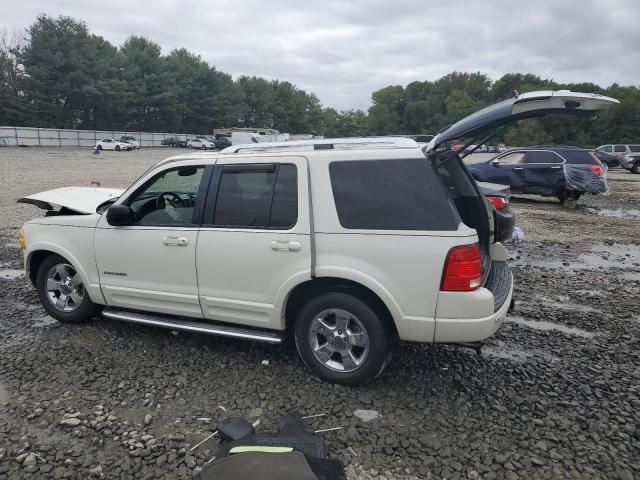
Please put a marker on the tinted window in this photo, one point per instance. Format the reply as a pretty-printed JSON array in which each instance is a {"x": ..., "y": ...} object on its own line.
[
  {"x": 543, "y": 157},
  {"x": 265, "y": 196},
  {"x": 580, "y": 157},
  {"x": 168, "y": 199},
  {"x": 391, "y": 195},
  {"x": 514, "y": 158},
  {"x": 620, "y": 148},
  {"x": 634, "y": 148},
  {"x": 284, "y": 208}
]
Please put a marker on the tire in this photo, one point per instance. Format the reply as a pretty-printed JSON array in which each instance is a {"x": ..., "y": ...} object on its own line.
[
  {"x": 99, "y": 147},
  {"x": 77, "y": 306},
  {"x": 635, "y": 168},
  {"x": 117, "y": 148},
  {"x": 203, "y": 147},
  {"x": 342, "y": 313}
]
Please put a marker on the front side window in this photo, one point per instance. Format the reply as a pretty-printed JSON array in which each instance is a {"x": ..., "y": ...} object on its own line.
[
  {"x": 515, "y": 158},
  {"x": 607, "y": 149},
  {"x": 168, "y": 199},
  {"x": 620, "y": 148},
  {"x": 634, "y": 148},
  {"x": 400, "y": 194},
  {"x": 257, "y": 196}
]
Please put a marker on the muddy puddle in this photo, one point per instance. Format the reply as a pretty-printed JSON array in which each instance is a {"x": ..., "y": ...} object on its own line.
[
  {"x": 629, "y": 214},
  {"x": 501, "y": 350},
  {"x": 10, "y": 274},
  {"x": 550, "y": 326},
  {"x": 596, "y": 256}
]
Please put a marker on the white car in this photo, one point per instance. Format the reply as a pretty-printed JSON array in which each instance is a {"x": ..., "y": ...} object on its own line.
[
  {"x": 111, "y": 144},
  {"x": 135, "y": 144},
  {"x": 201, "y": 143},
  {"x": 345, "y": 244}
]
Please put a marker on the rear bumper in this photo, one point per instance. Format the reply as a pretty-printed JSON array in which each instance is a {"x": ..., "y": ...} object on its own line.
[{"x": 492, "y": 302}]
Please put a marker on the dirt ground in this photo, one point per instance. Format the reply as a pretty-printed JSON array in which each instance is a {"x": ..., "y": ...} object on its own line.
[{"x": 554, "y": 394}]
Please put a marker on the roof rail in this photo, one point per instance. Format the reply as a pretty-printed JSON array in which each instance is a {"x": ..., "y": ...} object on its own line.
[{"x": 326, "y": 143}]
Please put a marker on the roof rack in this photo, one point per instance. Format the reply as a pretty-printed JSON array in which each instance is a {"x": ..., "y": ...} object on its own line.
[{"x": 326, "y": 143}]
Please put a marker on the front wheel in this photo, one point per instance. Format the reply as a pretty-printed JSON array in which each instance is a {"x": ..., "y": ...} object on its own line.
[
  {"x": 62, "y": 292},
  {"x": 635, "y": 168},
  {"x": 117, "y": 148},
  {"x": 99, "y": 147},
  {"x": 342, "y": 339}
]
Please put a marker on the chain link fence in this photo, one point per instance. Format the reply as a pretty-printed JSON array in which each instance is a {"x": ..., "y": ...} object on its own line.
[{"x": 52, "y": 137}]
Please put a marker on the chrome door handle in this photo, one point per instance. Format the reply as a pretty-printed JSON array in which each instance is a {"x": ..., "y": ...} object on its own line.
[
  {"x": 518, "y": 168},
  {"x": 556, "y": 168},
  {"x": 175, "y": 241},
  {"x": 285, "y": 246}
]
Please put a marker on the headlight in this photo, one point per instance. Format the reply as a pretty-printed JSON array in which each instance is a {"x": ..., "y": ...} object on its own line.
[{"x": 22, "y": 244}]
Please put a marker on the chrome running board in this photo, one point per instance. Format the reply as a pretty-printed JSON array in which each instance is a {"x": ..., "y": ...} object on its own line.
[{"x": 191, "y": 326}]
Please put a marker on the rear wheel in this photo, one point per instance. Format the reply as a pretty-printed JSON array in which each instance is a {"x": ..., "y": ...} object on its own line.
[
  {"x": 62, "y": 292},
  {"x": 99, "y": 147},
  {"x": 342, "y": 339}
]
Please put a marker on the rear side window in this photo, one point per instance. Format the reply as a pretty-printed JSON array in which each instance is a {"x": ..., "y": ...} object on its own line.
[
  {"x": 619, "y": 148},
  {"x": 257, "y": 196},
  {"x": 580, "y": 157},
  {"x": 391, "y": 195},
  {"x": 634, "y": 148},
  {"x": 543, "y": 157}
]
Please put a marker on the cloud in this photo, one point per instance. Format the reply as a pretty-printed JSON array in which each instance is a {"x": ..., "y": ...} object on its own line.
[{"x": 343, "y": 51}]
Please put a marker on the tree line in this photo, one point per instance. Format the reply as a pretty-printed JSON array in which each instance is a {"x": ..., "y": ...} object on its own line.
[{"x": 60, "y": 75}]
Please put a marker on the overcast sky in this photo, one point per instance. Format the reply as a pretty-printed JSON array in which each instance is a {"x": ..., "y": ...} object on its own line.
[{"x": 345, "y": 49}]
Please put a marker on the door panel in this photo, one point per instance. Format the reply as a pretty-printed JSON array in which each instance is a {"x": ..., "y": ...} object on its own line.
[
  {"x": 250, "y": 253},
  {"x": 544, "y": 173},
  {"x": 509, "y": 171},
  {"x": 145, "y": 268},
  {"x": 150, "y": 264}
]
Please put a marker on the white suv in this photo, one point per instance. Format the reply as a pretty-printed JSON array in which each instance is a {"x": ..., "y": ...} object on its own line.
[{"x": 346, "y": 244}]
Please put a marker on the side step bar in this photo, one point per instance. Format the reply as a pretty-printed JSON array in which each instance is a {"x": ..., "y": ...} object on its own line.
[{"x": 192, "y": 326}]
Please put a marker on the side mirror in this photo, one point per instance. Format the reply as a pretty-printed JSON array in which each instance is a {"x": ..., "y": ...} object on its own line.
[
  {"x": 118, "y": 215},
  {"x": 495, "y": 162}
]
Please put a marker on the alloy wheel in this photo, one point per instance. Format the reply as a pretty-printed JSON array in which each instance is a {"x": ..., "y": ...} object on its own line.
[{"x": 64, "y": 287}]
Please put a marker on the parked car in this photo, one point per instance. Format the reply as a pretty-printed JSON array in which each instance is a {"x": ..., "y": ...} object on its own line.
[
  {"x": 222, "y": 142},
  {"x": 131, "y": 140},
  {"x": 631, "y": 161},
  {"x": 174, "y": 142},
  {"x": 562, "y": 172},
  {"x": 111, "y": 144},
  {"x": 505, "y": 219},
  {"x": 345, "y": 245},
  {"x": 613, "y": 155},
  {"x": 200, "y": 143}
]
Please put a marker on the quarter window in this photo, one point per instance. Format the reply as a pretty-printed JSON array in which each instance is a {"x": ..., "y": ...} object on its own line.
[
  {"x": 607, "y": 149},
  {"x": 402, "y": 194},
  {"x": 257, "y": 196}
]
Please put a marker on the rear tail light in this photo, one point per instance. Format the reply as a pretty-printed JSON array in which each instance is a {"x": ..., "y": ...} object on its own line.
[
  {"x": 498, "y": 202},
  {"x": 596, "y": 170},
  {"x": 462, "y": 269}
]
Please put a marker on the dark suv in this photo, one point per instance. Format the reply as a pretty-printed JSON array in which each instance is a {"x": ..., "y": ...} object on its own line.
[{"x": 562, "y": 172}]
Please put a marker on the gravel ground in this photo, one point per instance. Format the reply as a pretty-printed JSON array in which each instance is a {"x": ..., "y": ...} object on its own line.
[{"x": 555, "y": 394}]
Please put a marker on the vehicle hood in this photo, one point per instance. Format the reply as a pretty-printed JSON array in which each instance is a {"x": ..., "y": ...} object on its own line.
[
  {"x": 78, "y": 199},
  {"x": 521, "y": 106}
]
